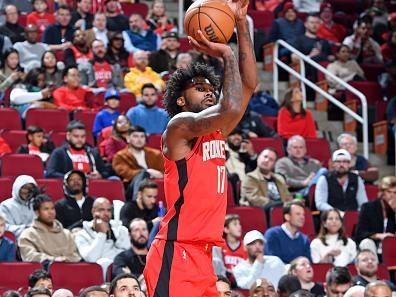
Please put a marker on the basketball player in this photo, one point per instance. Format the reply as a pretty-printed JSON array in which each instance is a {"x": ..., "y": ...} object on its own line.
[{"x": 179, "y": 262}]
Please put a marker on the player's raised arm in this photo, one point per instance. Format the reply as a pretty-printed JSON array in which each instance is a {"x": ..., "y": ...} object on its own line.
[
  {"x": 247, "y": 58},
  {"x": 201, "y": 115}
]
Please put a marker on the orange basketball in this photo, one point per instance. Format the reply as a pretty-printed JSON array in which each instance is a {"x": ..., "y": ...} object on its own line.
[{"x": 213, "y": 17}]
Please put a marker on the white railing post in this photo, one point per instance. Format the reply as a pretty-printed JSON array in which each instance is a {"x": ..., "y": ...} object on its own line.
[
  {"x": 276, "y": 73},
  {"x": 303, "y": 58}
]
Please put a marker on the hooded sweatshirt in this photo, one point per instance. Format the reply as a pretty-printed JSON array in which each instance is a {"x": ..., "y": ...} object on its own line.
[
  {"x": 41, "y": 242},
  {"x": 18, "y": 213},
  {"x": 94, "y": 245}
]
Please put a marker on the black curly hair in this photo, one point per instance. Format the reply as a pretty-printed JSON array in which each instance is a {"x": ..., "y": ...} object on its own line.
[{"x": 178, "y": 81}]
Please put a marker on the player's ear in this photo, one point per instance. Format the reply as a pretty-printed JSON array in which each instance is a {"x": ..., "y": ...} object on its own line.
[{"x": 181, "y": 101}]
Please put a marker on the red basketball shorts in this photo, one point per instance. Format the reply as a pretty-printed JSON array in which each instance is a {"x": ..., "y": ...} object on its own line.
[{"x": 177, "y": 269}]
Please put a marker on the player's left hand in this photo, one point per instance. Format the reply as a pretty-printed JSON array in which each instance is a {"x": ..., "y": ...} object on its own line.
[
  {"x": 239, "y": 7},
  {"x": 203, "y": 45}
]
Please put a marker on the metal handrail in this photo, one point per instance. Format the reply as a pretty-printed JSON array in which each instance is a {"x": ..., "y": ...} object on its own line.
[{"x": 303, "y": 58}]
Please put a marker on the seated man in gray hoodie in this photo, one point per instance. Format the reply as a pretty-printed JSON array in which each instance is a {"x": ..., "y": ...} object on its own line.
[
  {"x": 101, "y": 239},
  {"x": 17, "y": 210}
]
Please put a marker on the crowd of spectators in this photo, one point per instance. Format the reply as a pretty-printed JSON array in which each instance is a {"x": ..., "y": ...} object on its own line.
[{"x": 87, "y": 55}]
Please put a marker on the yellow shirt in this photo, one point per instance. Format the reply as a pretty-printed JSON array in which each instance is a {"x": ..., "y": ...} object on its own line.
[{"x": 135, "y": 79}]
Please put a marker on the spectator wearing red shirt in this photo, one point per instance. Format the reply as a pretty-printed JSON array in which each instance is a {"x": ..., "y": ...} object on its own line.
[
  {"x": 225, "y": 258},
  {"x": 101, "y": 73},
  {"x": 4, "y": 147},
  {"x": 40, "y": 16},
  {"x": 71, "y": 96},
  {"x": 388, "y": 49},
  {"x": 293, "y": 119},
  {"x": 328, "y": 29}
]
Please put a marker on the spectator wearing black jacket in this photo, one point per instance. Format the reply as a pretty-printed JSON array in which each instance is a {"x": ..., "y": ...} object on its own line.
[
  {"x": 76, "y": 207},
  {"x": 165, "y": 58},
  {"x": 252, "y": 126},
  {"x": 133, "y": 260},
  {"x": 144, "y": 207},
  {"x": 76, "y": 154},
  {"x": 377, "y": 218},
  {"x": 11, "y": 28}
]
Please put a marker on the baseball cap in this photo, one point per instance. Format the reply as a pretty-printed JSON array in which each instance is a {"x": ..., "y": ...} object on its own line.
[
  {"x": 252, "y": 236},
  {"x": 170, "y": 35},
  {"x": 112, "y": 94},
  {"x": 287, "y": 6},
  {"x": 341, "y": 154}
]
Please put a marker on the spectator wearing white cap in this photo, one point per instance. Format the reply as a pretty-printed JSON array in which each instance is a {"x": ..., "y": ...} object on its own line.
[
  {"x": 257, "y": 265},
  {"x": 340, "y": 188}
]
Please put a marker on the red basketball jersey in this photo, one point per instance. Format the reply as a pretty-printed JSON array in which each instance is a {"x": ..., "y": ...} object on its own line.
[
  {"x": 232, "y": 257},
  {"x": 196, "y": 193}
]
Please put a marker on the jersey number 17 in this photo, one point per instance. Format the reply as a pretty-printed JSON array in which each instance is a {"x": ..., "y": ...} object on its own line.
[{"x": 221, "y": 178}]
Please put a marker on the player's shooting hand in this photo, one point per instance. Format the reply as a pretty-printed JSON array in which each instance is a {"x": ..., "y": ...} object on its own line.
[
  {"x": 239, "y": 8},
  {"x": 203, "y": 45}
]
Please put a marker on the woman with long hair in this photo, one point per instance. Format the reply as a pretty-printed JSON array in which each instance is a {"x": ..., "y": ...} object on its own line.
[
  {"x": 118, "y": 139},
  {"x": 293, "y": 118},
  {"x": 10, "y": 72},
  {"x": 301, "y": 268},
  {"x": 53, "y": 75},
  {"x": 332, "y": 244}
]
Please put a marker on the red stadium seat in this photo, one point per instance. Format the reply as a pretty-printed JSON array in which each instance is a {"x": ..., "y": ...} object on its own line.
[
  {"x": 110, "y": 189},
  {"x": 261, "y": 143},
  {"x": 311, "y": 197},
  {"x": 389, "y": 252},
  {"x": 5, "y": 188},
  {"x": 76, "y": 276},
  {"x": 15, "y": 138},
  {"x": 308, "y": 228},
  {"x": 59, "y": 138},
  {"x": 320, "y": 270},
  {"x": 140, "y": 8},
  {"x": 230, "y": 196},
  {"x": 382, "y": 272},
  {"x": 185, "y": 45},
  {"x": 252, "y": 218},
  {"x": 52, "y": 186},
  {"x": 350, "y": 222},
  {"x": 127, "y": 100},
  {"x": 14, "y": 275},
  {"x": 371, "y": 191},
  {"x": 372, "y": 71},
  {"x": 319, "y": 148},
  {"x": 13, "y": 165},
  {"x": 10, "y": 119},
  {"x": 154, "y": 141},
  {"x": 370, "y": 89},
  {"x": 270, "y": 121},
  {"x": 87, "y": 117},
  {"x": 262, "y": 19},
  {"x": 22, "y": 19},
  {"x": 48, "y": 119}
]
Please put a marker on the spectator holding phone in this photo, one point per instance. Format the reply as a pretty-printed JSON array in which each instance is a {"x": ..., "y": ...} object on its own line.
[{"x": 32, "y": 93}]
